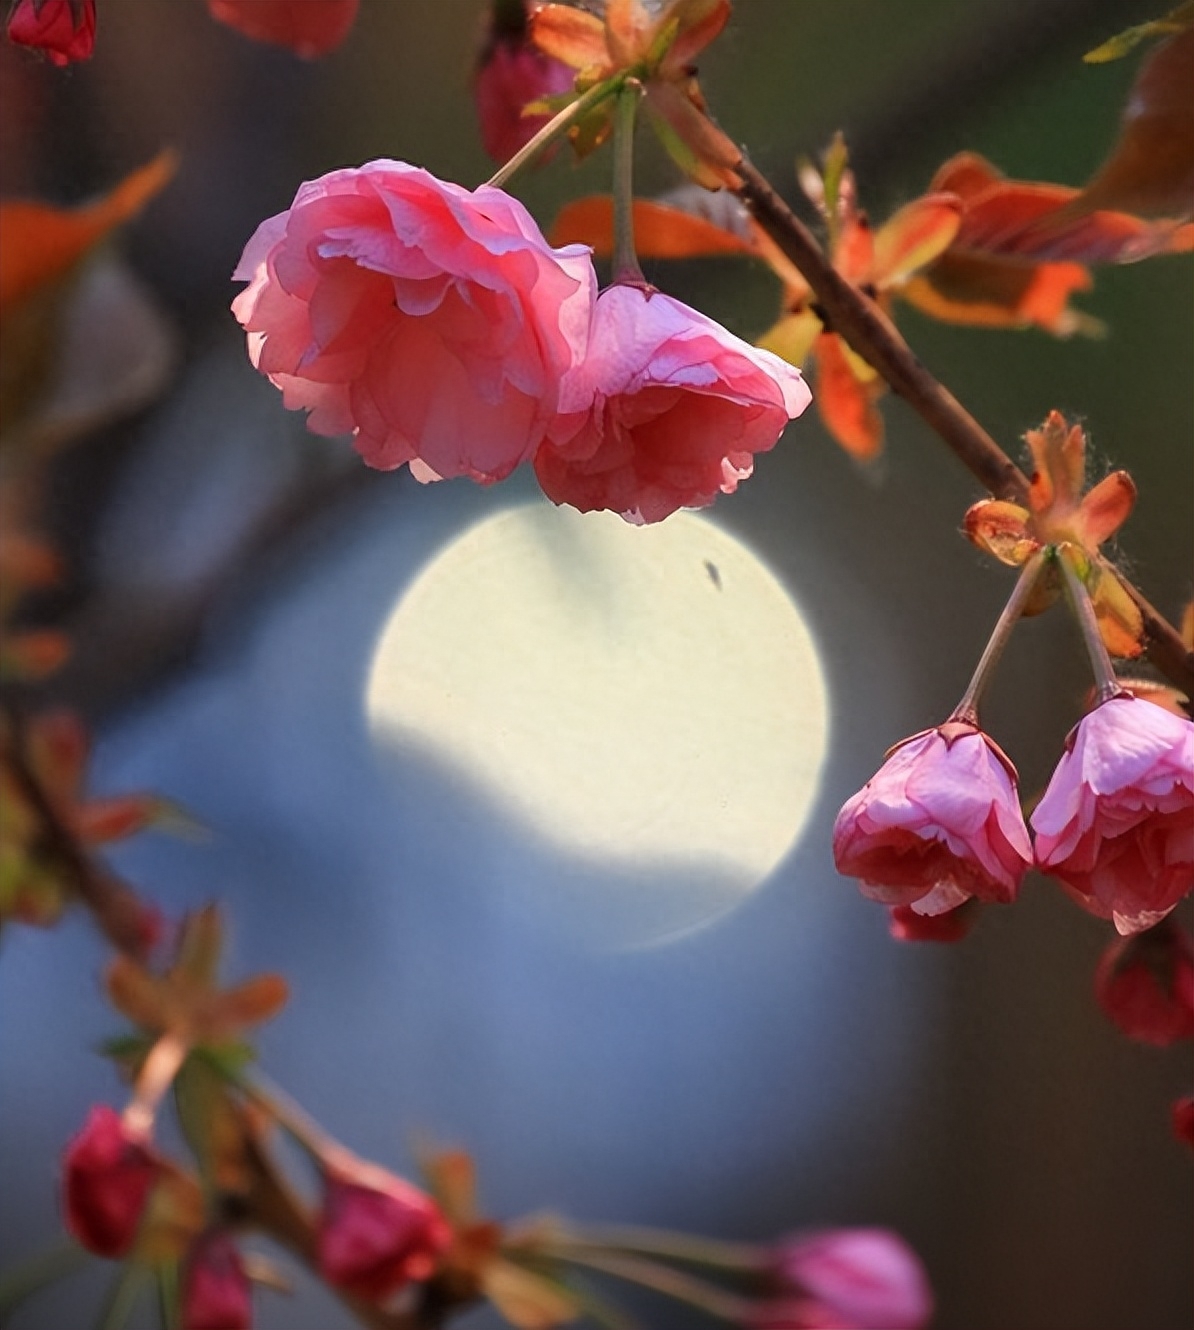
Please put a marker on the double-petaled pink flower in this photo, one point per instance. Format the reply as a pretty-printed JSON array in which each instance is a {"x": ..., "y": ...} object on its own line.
[
  {"x": 1116, "y": 824},
  {"x": 939, "y": 823},
  {"x": 108, "y": 1173},
  {"x": 666, "y": 411},
  {"x": 433, "y": 323},
  {"x": 440, "y": 328}
]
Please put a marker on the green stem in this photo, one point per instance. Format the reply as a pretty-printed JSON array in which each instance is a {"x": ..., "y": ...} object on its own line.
[
  {"x": 294, "y": 1120},
  {"x": 124, "y": 1295},
  {"x": 555, "y": 129},
  {"x": 625, "y": 263},
  {"x": 1106, "y": 684},
  {"x": 658, "y": 1278},
  {"x": 967, "y": 709}
]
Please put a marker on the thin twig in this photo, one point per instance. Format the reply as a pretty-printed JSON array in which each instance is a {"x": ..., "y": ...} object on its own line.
[{"x": 872, "y": 334}]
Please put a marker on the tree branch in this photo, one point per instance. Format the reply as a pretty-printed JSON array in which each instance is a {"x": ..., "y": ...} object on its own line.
[{"x": 873, "y": 335}]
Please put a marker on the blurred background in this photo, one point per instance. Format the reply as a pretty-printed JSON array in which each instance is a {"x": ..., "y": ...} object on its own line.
[{"x": 534, "y": 810}]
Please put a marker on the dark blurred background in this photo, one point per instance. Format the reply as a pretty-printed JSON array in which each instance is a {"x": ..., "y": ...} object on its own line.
[{"x": 765, "y": 1063}]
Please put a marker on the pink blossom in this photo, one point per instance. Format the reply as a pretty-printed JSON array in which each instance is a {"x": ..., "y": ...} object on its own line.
[
  {"x": 1145, "y": 985},
  {"x": 63, "y": 29},
  {"x": 511, "y": 73},
  {"x": 938, "y": 823},
  {"x": 216, "y": 1294},
  {"x": 1116, "y": 825},
  {"x": 306, "y": 27},
  {"x": 107, "y": 1177},
  {"x": 432, "y": 323},
  {"x": 377, "y": 1233},
  {"x": 848, "y": 1279},
  {"x": 667, "y": 410}
]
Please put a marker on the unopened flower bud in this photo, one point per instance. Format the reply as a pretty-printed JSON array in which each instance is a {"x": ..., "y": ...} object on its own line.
[
  {"x": 1145, "y": 985},
  {"x": 216, "y": 1294},
  {"x": 108, "y": 1174},
  {"x": 63, "y": 29},
  {"x": 377, "y": 1233}
]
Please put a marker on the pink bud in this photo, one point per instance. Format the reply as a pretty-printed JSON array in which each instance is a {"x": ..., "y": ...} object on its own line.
[
  {"x": 853, "y": 1279},
  {"x": 1145, "y": 985},
  {"x": 108, "y": 1176},
  {"x": 377, "y": 1232},
  {"x": 216, "y": 1294},
  {"x": 938, "y": 823},
  {"x": 1116, "y": 825},
  {"x": 511, "y": 74},
  {"x": 63, "y": 29}
]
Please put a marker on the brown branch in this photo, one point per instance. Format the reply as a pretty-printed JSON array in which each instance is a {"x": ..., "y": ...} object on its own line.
[{"x": 873, "y": 335}]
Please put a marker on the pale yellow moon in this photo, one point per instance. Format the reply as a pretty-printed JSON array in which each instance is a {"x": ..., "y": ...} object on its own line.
[{"x": 645, "y": 701}]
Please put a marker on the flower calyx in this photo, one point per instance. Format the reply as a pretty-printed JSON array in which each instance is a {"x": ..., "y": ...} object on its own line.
[
  {"x": 658, "y": 50},
  {"x": 1061, "y": 513}
]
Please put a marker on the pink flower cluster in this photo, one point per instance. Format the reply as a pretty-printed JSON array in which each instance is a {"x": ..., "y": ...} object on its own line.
[
  {"x": 437, "y": 326},
  {"x": 940, "y": 823}
]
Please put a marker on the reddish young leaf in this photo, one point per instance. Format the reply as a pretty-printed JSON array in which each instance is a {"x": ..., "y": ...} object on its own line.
[
  {"x": 307, "y": 27},
  {"x": 987, "y": 291},
  {"x": 660, "y": 231},
  {"x": 846, "y": 404},
  {"x": 1151, "y": 168},
  {"x": 570, "y": 35},
  {"x": 914, "y": 236},
  {"x": 41, "y": 243}
]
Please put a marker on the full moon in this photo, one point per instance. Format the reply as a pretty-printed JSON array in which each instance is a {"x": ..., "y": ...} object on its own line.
[{"x": 645, "y": 702}]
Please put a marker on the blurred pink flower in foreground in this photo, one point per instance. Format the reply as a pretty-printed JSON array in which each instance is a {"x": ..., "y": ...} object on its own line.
[
  {"x": 511, "y": 73},
  {"x": 938, "y": 823},
  {"x": 1145, "y": 985},
  {"x": 307, "y": 27},
  {"x": 1116, "y": 825},
  {"x": 432, "y": 322},
  {"x": 847, "y": 1279},
  {"x": 377, "y": 1233},
  {"x": 63, "y": 29},
  {"x": 666, "y": 411},
  {"x": 216, "y": 1294},
  {"x": 107, "y": 1177}
]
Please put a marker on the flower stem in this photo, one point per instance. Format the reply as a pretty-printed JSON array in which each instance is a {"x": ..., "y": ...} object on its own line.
[
  {"x": 626, "y": 267},
  {"x": 967, "y": 709},
  {"x": 1106, "y": 684},
  {"x": 156, "y": 1077},
  {"x": 737, "y": 1256},
  {"x": 555, "y": 129},
  {"x": 285, "y": 1112},
  {"x": 658, "y": 1278}
]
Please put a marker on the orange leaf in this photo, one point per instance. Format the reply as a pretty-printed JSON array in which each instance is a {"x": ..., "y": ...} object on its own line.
[
  {"x": 991, "y": 292},
  {"x": 700, "y": 23},
  {"x": 1105, "y": 508},
  {"x": 33, "y": 654},
  {"x": 1059, "y": 459},
  {"x": 137, "y": 994},
  {"x": 1000, "y": 528},
  {"x": 854, "y": 253},
  {"x": 528, "y": 1301},
  {"x": 966, "y": 175},
  {"x": 42, "y": 243},
  {"x": 627, "y": 31},
  {"x": 847, "y": 406},
  {"x": 102, "y": 820},
  {"x": 58, "y": 747},
  {"x": 914, "y": 236},
  {"x": 307, "y": 27},
  {"x": 660, "y": 232},
  {"x": 570, "y": 35},
  {"x": 256, "y": 1000}
]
